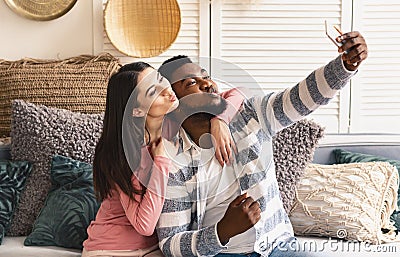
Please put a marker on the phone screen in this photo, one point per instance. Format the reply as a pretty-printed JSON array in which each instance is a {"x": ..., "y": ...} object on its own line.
[{"x": 332, "y": 33}]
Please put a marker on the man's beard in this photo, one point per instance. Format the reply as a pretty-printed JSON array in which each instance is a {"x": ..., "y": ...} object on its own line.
[
  {"x": 203, "y": 106},
  {"x": 203, "y": 103}
]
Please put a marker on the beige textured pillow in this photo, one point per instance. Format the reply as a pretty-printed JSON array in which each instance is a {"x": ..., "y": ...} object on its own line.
[
  {"x": 77, "y": 84},
  {"x": 350, "y": 201}
]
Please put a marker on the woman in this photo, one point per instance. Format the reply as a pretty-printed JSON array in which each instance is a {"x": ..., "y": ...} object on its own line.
[
  {"x": 128, "y": 214},
  {"x": 138, "y": 99}
]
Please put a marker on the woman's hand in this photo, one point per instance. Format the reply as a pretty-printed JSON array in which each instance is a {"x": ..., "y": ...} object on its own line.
[
  {"x": 157, "y": 148},
  {"x": 354, "y": 49},
  {"x": 222, "y": 141}
]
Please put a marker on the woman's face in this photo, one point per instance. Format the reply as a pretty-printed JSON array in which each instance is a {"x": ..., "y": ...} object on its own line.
[{"x": 155, "y": 95}]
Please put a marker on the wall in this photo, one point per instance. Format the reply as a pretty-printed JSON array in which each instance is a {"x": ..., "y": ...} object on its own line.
[{"x": 80, "y": 31}]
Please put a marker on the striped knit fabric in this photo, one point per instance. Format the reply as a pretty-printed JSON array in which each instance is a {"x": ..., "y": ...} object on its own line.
[{"x": 180, "y": 227}]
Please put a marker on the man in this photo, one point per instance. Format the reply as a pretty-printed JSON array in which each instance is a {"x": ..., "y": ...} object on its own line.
[{"x": 236, "y": 210}]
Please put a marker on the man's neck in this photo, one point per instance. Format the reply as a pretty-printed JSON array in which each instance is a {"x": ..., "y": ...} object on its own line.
[{"x": 198, "y": 128}]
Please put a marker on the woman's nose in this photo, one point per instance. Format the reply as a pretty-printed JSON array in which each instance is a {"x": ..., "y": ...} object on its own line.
[{"x": 168, "y": 90}]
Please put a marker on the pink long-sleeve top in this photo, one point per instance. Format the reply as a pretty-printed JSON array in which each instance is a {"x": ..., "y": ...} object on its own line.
[
  {"x": 234, "y": 100},
  {"x": 124, "y": 224}
]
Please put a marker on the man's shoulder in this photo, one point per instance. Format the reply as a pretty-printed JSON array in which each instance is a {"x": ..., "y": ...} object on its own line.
[{"x": 246, "y": 112}]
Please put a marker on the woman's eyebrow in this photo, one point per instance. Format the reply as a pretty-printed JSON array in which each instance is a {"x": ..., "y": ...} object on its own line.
[{"x": 147, "y": 91}]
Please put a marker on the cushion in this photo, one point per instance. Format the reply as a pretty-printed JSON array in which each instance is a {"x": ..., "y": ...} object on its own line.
[
  {"x": 13, "y": 175},
  {"x": 350, "y": 201},
  {"x": 343, "y": 156},
  {"x": 14, "y": 247},
  {"x": 294, "y": 148},
  {"x": 69, "y": 208},
  {"x": 78, "y": 84},
  {"x": 38, "y": 133}
]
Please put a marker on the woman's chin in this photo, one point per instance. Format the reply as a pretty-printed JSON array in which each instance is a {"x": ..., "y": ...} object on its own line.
[{"x": 173, "y": 106}]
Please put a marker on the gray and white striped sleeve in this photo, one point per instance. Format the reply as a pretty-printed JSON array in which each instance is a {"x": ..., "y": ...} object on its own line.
[
  {"x": 174, "y": 227},
  {"x": 180, "y": 241},
  {"x": 280, "y": 109}
]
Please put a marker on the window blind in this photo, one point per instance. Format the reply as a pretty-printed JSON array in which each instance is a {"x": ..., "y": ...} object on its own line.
[{"x": 278, "y": 43}]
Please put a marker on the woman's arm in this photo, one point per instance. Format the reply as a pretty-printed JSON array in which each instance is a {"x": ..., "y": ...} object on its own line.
[
  {"x": 234, "y": 99},
  {"x": 143, "y": 213},
  {"x": 223, "y": 141}
]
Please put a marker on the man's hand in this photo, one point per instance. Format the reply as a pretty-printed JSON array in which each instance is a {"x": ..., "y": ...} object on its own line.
[
  {"x": 242, "y": 214},
  {"x": 222, "y": 141},
  {"x": 354, "y": 48}
]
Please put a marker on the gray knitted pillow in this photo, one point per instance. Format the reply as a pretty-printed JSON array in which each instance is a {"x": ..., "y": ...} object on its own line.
[
  {"x": 293, "y": 149},
  {"x": 39, "y": 132}
]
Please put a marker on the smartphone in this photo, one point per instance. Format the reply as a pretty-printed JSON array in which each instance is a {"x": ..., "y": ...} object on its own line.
[{"x": 332, "y": 32}]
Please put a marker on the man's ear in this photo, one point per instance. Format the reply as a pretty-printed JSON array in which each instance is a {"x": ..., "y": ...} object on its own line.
[{"x": 137, "y": 112}]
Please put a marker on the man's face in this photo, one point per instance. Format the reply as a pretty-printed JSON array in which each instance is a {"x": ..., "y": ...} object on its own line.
[
  {"x": 196, "y": 92},
  {"x": 190, "y": 78}
]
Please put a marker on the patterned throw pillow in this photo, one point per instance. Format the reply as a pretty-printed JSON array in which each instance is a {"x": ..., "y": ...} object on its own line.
[
  {"x": 69, "y": 208},
  {"x": 39, "y": 132},
  {"x": 13, "y": 175},
  {"x": 343, "y": 156},
  {"x": 294, "y": 148},
  {"x": 349, "y": 201}
]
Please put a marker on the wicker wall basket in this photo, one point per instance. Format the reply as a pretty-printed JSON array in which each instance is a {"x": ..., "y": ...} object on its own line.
[
  {"x": 142, "y": 28},
  {"x": 41, "y": 10}
]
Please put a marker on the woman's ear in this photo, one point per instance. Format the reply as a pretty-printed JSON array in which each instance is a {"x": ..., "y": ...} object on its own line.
[{"x": 137, "y": 112}]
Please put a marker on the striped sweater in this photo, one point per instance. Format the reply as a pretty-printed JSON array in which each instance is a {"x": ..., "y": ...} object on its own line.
[{"x": 180, "y": 228}]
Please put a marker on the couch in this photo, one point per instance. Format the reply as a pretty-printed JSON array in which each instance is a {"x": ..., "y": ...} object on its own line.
[{"x": 377, "y": 144}]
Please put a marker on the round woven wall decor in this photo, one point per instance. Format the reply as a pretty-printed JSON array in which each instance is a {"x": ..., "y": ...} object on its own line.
[
  {"x": 142, "y": 28},
  {"x": 41, "y": 10}
]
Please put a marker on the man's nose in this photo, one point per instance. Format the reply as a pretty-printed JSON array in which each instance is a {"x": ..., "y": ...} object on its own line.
[{"x": 206, "y": 85}]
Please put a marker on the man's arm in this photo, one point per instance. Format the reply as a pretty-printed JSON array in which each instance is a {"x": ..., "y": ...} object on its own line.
[
  {"x": 177, "y": 239},
  {"x": 279, "y": 110},
  {"x": 174, "y": 227}
]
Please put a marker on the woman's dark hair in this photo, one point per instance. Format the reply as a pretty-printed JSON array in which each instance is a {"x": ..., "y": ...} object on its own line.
[{"x": 110, "y": 166}]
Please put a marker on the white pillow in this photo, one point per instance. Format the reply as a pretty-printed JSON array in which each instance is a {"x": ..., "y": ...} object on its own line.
[{"x": 350, "y": 201}]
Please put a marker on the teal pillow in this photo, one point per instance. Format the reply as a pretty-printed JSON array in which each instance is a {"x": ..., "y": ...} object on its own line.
[
  {"x": 13, "y": 175},
  {"x": 343, "y": 156},
  {"x": 69, "y": 208}
]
